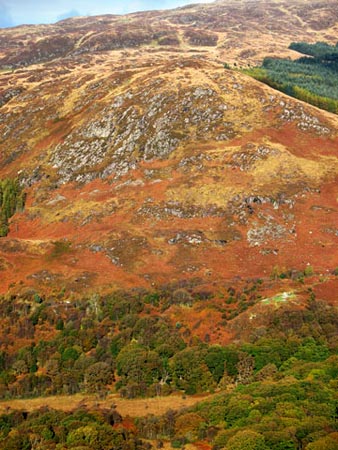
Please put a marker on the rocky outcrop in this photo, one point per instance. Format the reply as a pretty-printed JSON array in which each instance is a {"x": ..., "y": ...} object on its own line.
[{"x": 8, "y": 94}]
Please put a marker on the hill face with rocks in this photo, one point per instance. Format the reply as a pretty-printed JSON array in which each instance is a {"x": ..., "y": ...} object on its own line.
[
  {"x": 144, "y": 160},
  {"x": 168, "y": 227}
]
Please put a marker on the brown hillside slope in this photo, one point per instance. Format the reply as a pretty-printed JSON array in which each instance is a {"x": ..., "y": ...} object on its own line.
[{"x": 144, "y": 160}]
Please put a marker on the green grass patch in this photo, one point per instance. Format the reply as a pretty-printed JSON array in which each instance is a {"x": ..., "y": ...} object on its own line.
[
  {"x": 60, "y": 248},
  {"x": 279, "y": 298}
]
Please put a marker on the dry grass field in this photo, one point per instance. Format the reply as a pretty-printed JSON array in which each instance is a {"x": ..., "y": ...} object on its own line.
[{"x": 133, "y": 408}]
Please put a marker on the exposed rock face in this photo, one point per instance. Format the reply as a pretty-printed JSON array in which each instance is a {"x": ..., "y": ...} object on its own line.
[
  {"x": 8, "y": 94},
  {"x": 148, "y": 160}
]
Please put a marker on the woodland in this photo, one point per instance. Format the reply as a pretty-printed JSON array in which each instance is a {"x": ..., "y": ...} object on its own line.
[
  {"x": 277, "y": 389},
  {"x": 312, "y": 78}
]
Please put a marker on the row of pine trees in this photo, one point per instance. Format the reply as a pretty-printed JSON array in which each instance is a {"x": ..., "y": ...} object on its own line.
[{"x": 12, "y": 199}]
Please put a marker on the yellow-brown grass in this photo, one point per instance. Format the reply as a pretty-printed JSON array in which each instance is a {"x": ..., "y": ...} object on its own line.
[{"x": 134, "y": 408}]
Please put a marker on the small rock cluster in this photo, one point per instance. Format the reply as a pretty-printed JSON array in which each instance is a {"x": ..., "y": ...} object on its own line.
[{"x": 305, "y": 121}]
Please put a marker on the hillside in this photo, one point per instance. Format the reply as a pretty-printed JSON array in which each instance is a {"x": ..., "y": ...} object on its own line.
[
  {"x": 168, "y": 231},
  {"x": 142, "y": 158}
]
